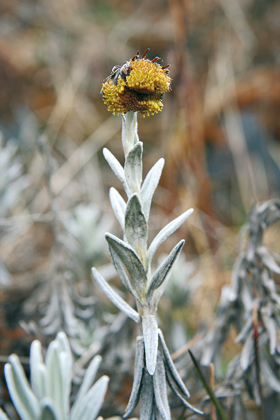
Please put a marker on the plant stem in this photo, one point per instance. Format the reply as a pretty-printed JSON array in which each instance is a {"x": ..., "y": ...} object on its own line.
[
  {"x": 257, "y": 360},
  {"x": 208, "y": 389}
]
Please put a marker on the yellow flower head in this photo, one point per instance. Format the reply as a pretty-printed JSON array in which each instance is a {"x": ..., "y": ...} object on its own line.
[{"x": 137, "y": 85}]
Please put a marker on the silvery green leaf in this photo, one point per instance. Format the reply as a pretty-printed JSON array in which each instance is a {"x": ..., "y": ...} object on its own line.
[
  {"x": 55, "y": 378},
  {"x": 171, "y": 367},
  {"x": 246, "y": 297},
  {"x": 62, "y": 339},
  {"x": 136, "y": 229},
  {"x": 161, "y": 273},
  {"x": 271, "y": 328},
  {"x": 86, "y": 384},
  {"x": 23, "y": 398},
  {"x": 232, "y": 368},
  {"x": 272, "y": 380},
  {"x": 118, "y": 205},
  {"x": 65, "y": 366},
  {"x": 149, "y": 186},
  {"x": 272, "y": 219},
  {"x": 245, "y": 330},
  {"x": 37, "y": 378},
  {"x": 147, "y": 397},
  {"x": 133, "y": 168},
  {"x": 51, "y": 313},
  {"x": 137, "y": 379},
  {"x": 246, "y": 352},
  {"x": 160, "y": 390},
  {"x": 3, "y": 416},
  {"x": 210, "y": 348},
  {"x": 150, "y": 334},
  {"x": 268, "y": 259},
  {"x": 270, "y": 288},
  {"x": 181, "y": 397},
  {"x": 254, "y": 388},
  {"x": 48, "y": 411},
  {"x": 165, "y": 232},
  {"x": 131, "y": 261},
  {"x": 116, "y": 167},
  {"x": 91, "y": 403},
  {"x": 42, "y": 382},
  {"x": 114, "y": 297},
  {"x": 118, "y": 264},
  {"x": 129, "y": 131}
]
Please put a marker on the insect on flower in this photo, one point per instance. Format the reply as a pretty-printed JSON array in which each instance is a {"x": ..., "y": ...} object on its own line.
[{"x": 138, "y": 86}]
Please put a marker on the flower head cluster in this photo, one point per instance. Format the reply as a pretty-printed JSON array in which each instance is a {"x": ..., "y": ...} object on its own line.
[{"x": 138, "y": 85}]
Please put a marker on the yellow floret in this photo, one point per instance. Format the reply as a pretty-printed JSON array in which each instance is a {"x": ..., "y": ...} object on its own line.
[{"x": 139, "y": 90}]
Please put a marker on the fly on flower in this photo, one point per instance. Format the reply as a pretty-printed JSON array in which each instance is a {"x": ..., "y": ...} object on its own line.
[{"x": 138, "y": 85}]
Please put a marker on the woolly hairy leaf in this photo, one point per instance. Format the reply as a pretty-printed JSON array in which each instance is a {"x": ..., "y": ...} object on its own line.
[
  {"x": 150, "y": 334},
  {"x": 130, "y": 260},
  {"x": 116, "y": 167},
  {"x": 165, "y": 232},
  {"x": 118, "y": 205},
  {"x": 272, "y": 380},
  {"x": 160, "y": 390},
  {"x": 86, "y": 384},
  {"x": 38, "y": 374},
  {"x": 92, "y": 401},
  {"x": 65, "y": 365},
  {"x": 114, "y": 297},
  {"x": 118, "y": 264},
  {"x": 147, "y": 397},
  {"x": 129, "y": 131},
  {"x": 246, "y": 352},
  {"x": 138, "y": 373},
  {"x": 133, "y": 168},
  {"x": 47, "y": 410},
  {"x": 136, "y": 229},
  {"x": 149, "y": 186},
  {"x": 161, "y": 273},
  {"x": 181, "y": 397},
  {"x": 271, "y": 327},
  {"x": 55, "y": 379},
  {"x": 245, "y": 330},
  {"x": 23, "y": 398},
  {"x": 268, "y": 260},
  {"x": 171, "y": 367}
]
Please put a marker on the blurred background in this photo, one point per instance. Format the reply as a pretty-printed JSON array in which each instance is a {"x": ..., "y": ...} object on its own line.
[{"x": 219, "y": 133}]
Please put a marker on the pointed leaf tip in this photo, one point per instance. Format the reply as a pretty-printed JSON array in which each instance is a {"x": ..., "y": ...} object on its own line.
[{"x": 118, "y": 301}]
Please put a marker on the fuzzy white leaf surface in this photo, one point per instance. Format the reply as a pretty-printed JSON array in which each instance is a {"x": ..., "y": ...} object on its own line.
[
  {"x": 149, "y": 186},
  {"x": 116, "y": 168},
  {"x": 150, "y": 334},
  {"x": 114, "y": 297},
  {"x": 133, "y": 168},
  {"x": 118, "y": 205},
  {"x": 136, "y": 229},
  {"x": 131, "y": 261},
  {"x": 165, "y": 232}
]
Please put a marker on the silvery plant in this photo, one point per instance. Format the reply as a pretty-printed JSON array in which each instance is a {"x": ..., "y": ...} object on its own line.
[
  {"x": 12, "y": 179},
  {"x": 47, "y": 397},
  {"x": 12, "y": 182},
  {"x": 252, "y": 303},
  {"x": 132, "y": 258}
]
